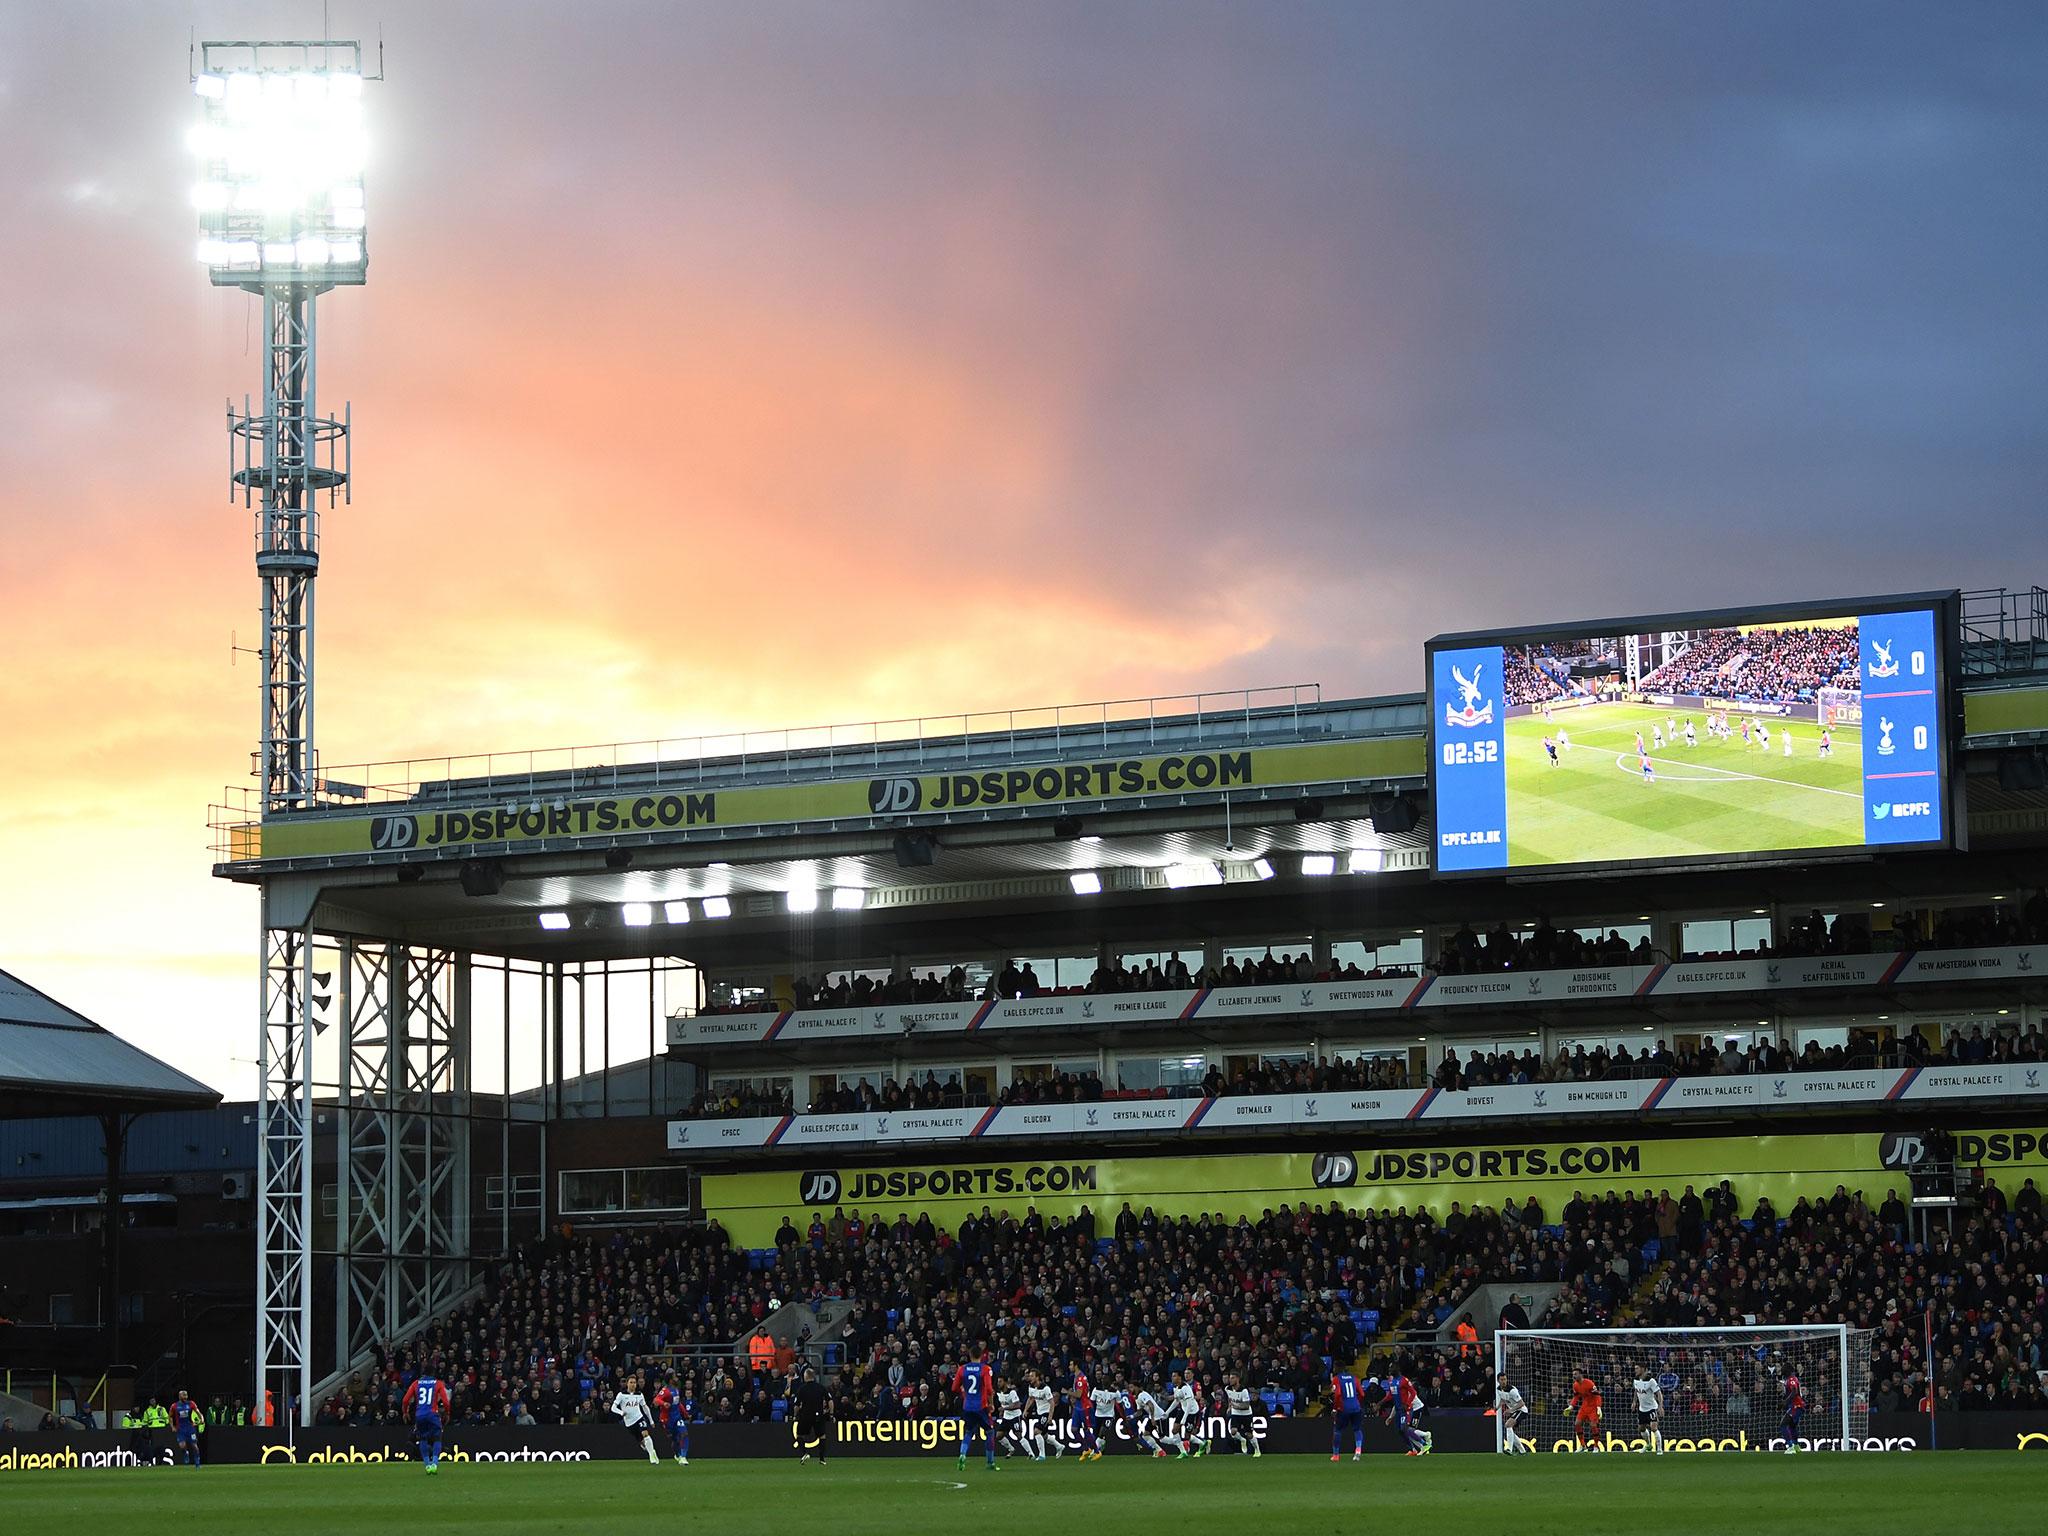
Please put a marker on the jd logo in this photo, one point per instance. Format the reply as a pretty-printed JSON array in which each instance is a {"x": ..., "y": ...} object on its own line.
[
  {"x": 1900, "y": 1149},
  {"x": 389, "y": 832},
  {"x": 818, "y": 1189},
  {"x": 1334, "y": 1170},
  {"x": 894, "y": 797}
]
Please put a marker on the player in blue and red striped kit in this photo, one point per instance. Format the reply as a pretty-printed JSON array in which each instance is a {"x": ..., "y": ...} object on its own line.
[
  {"x": 975, "y": 1384},
  {"x": 673, "y": 1409},
  {"x": 186, "y": 1420},
  {"x": 1795, "y": 1405},
  {"x": 427, "y": 1397},
  {"x": 1347, "y": 1415},
  {"x": 1084, "y": 1425},
  {"x": 1403, "y": 1405}
]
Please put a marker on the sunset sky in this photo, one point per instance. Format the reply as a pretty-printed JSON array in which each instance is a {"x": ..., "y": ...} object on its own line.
[{"x": 761, "y": 364}]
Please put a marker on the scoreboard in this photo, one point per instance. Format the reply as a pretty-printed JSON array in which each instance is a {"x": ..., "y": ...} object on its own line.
[{"x": 1705, "y": 736}]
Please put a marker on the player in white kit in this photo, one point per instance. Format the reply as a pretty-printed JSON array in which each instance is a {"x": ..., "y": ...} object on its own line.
[
  {"x": 1188, "y": 1414},
  {"x": 1508, "y": 1403},
  {"x": 1650, "y": 1410},
  {"x": 1038, "y": 1418},
  {"x": 1010, "y": 1419},
  {"x": 1786, "y": 736},
  {"x": 1657, "y": 737},
  {"x": 1564, "y": 739},
  {"x": 1237, "y": 1401},
  {"x": 1691, "y": 740}
]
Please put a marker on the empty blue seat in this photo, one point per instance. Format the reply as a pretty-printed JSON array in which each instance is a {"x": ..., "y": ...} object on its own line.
[
  {"x": 1271, "y": 1399},
  {"x": 1287, "y": 1402},
  {"x": 893, "y": 1315},
  {"x": 1371, "y": 1319},
  {"x": 778, "y": 1411}
]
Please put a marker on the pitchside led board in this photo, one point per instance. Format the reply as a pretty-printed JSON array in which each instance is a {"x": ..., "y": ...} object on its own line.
[{"x": 1739, "y": 734}]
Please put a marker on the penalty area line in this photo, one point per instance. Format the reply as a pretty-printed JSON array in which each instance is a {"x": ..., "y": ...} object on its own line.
[{"x": 1621, "y": 761}]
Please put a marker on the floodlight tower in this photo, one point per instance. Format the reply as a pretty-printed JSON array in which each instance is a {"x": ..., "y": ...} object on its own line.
[{"x": 280, "y": 199}]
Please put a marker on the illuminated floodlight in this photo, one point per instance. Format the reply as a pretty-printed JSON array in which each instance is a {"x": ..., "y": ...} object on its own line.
[
  {"x": 801, "y": 898},
  {"x": 1368, "y": 861},
  {"x": 280, "y": 154},
  {"x": 675, "y": 911},
  {"x": 848, "y": 898},
  {"x": 1199, "y": 872},
  {"x": 637, "y": 914},
  {"x": 554, "y": 922},
  {"x": 1319, "y": 863},
  {"x": 1086, "y": 882},
  {"x": 1263, "y": 868},
  {"x": 718, "y": 906}
]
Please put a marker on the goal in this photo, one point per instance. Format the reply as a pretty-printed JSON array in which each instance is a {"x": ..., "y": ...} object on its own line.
[
  {"x": 1840, "y": 706},
  {"x": 1722, "y": 1388}
]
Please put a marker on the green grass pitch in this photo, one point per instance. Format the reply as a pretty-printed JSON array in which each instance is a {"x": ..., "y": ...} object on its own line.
[
  {"x": 1712, "y": 798},
  {"x": 1871, "y": 1495}
]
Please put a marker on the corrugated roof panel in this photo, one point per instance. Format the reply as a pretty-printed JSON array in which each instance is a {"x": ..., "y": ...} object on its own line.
[{"x": 49, "y": 1051}]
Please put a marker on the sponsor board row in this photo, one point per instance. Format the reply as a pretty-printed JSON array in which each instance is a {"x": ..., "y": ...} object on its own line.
[
  {"x": 56, "y": 1451},
  {"x": 752, "y": 1205},
  {"x": 524, "y": 820},
  {"x": 1652, "y": 1096},
  {"x": 1690, "y": 978}
]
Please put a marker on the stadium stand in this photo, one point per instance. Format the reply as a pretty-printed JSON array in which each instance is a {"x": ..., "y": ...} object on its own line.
[
  {"x": 1277, "y": 1300},
  {"x": 1768, "y": 665}
]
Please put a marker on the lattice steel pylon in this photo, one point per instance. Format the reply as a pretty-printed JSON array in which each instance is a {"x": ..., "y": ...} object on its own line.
[{"x": 279, "y": 149}]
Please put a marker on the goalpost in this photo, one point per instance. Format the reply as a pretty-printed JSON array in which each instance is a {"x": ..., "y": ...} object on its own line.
[
  {"x": 1840, "y": 706},
  {"x": 1723, "y": 1385}
]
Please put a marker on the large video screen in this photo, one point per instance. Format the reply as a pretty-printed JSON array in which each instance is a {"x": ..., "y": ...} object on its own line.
[{"x": 1692, "y": 736}]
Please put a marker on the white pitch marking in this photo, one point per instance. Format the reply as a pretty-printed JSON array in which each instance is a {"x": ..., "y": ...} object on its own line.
[{"x": 1621, "y": 762}]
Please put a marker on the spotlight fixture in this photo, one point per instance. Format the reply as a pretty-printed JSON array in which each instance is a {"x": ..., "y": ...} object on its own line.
[
  {"x": 637, "y": 914},
  {"x": 555, "y": 922},
  {"x": 1086, "y": 882},
  {"x": 675, "y": 911},
  {"x": 718, "y": 906},
  {"x": 1319, "y": 864}
]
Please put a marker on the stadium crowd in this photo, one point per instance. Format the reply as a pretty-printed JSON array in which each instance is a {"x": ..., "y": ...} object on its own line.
[
  {"x": 1277, "y": 1300},
  {"x": 1765, "y": 665},
  {"x": 1963, "y": 1046},
  {"x": 1466, "y": 951}
]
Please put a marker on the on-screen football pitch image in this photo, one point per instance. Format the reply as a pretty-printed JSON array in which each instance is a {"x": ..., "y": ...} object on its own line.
[{"x": 1586, "y": 797}]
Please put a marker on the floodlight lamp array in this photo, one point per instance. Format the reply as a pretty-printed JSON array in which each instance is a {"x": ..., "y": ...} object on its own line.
[{"x": 280, "y": 190}]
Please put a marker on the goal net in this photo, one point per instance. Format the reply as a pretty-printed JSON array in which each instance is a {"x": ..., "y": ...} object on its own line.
[
  {"x": 1723, "y": 1389},
  {"x": 1840, "y": 706}
]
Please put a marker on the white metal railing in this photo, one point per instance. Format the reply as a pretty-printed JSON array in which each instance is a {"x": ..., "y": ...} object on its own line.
[{"x": 977, "y": 737}]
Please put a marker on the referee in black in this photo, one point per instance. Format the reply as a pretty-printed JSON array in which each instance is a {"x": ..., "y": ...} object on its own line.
[{"x": 813, "y": 1416}]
